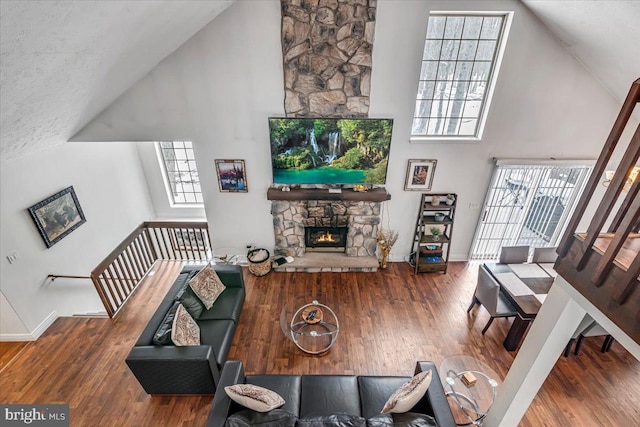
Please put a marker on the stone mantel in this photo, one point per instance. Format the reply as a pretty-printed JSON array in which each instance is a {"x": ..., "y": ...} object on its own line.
[{"x": 347, "y": 194}]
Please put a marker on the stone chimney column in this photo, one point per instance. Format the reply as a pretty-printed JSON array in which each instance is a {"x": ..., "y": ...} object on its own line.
[{"x": 326, "y": 51}]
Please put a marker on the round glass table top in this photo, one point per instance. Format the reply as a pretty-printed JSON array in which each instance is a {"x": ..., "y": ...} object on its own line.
[
  {"x": 313, "y": 327},
  {"x": 470, "y": 386}
]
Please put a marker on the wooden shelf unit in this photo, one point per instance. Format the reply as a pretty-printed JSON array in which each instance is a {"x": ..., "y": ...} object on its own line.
[{"x": 431, "y": 260}]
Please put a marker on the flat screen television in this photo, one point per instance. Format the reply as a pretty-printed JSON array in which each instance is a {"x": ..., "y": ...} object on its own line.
[{"x": 329, "y": 151}]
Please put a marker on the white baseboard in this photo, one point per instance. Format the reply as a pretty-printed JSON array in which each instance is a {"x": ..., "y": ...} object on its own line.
[
  {"x": 16, "y": 337},
  {"x": 92, "y": 315},
  {"x": 44, "y": 325}
]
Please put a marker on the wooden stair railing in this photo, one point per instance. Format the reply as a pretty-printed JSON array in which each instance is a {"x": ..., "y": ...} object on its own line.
[
  {"x": 119, "y": 274},
  {"x": 604, "y": 262}
]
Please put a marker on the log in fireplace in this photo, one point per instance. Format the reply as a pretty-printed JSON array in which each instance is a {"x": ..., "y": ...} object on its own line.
[{"x": 325, "y": 239}]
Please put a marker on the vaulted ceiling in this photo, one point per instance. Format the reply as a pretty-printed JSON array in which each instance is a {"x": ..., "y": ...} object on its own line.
[
  {"x": 603, "y": 35},
  {"x": 63, "y": 62}
]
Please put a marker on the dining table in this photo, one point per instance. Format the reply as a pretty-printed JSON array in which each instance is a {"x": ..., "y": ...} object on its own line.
[{"x": 526, "y": 286}]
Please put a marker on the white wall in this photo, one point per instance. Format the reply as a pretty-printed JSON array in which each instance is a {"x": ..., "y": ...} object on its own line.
[
  {"x": 108, "y": 181},
  {"x": 219, "y": 88},
  {"x": 11, "y": 327}
]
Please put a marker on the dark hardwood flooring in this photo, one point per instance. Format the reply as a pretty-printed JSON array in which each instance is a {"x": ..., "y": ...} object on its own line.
[{"x": 388, "y": 321}]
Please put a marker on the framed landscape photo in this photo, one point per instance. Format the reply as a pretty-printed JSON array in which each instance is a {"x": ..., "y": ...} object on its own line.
[
  {"x": 232, "y": 177},
  {"x": 420, "y": 174},
  {"x": 57, "y": 216}
]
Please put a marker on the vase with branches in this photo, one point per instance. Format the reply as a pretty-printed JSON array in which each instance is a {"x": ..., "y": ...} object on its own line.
[{"x": 386, "y": 240}]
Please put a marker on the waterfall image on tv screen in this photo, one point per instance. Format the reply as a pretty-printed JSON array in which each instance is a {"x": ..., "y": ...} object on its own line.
[{"x": 329, "y": 151}]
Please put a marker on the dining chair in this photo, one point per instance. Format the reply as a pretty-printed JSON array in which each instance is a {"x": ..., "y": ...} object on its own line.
[
  {"x": 588, "y": 328},
  {"x": 488, "y": 294},
  {"x": 514, "y": 254},
  {"x": 544, "y": 255}
]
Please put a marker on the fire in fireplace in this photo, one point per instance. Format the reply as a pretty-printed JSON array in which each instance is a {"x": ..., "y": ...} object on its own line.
[{"x": 325, "y": 239}]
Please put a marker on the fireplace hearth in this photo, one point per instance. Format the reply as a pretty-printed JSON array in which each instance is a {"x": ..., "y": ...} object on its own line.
[{"x": 325, "y": 239}]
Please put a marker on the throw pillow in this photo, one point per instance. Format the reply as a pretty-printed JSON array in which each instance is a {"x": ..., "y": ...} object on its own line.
[
  {"x": 254, "y": 397},
  {"x": 207, "y": 285},
  {"x": 251, "y": 418},
  {"x": 410, "y": 393},
  {"x": 163, "y": 333},
  {"x": 185, "y": 330},
  {"x": 192, "y": 303}
]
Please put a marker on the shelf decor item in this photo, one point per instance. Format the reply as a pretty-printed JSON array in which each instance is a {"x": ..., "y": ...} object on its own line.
[
  {"x": 435, "y": 232},
  {"x": 420, "y": 175},
  {"x": 451, "y": 199},
  {"x": 57, "y": 216}
]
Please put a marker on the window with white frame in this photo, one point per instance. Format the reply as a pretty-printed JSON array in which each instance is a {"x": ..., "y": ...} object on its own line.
[
  {"x": 459, "y": 67},
  {"x": 180, "y": 172}
]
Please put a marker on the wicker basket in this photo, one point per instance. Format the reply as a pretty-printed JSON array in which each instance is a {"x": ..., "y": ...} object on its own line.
[{"x": 259, "y": 265}]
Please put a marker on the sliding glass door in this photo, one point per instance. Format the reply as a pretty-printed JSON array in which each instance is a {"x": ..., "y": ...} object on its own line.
[{"x": 528, "y": 204}]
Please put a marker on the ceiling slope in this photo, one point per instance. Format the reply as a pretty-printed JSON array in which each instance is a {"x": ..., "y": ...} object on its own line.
[
  {"x": 603, "y": 34},
  {"x": 63, "y": 62}
]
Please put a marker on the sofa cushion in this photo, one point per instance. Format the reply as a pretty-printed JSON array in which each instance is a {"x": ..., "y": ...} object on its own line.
[
  {"x": 254, "y": 397},
  {"x": 231, "y": 275},
  {"x": 163, "y": 333},
  {"x": 375, "y": 391},
  {"x": 185, "y": 330},
  {"x": 409, "y": 394},
  {"x": 287, "y": 386},
  {"x": 333, "y": 420},
  {"x": 227, "y": 306},
  {"x": 146, "y": 337},
  {"x": 408, "y": 419},
  {"x": 191, "y": 302},
  {"x": 183, "y": 278},
  {"x": 218, "y": 334},
  {"x": 207, "y": 285},
  {"x": 248, "y": 417},
  {"x": 329, "y": 394}
]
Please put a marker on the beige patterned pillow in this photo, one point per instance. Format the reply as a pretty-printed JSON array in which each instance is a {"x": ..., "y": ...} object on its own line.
[
  {"x": 254, "y": 397},
  {"x": 185, "y": 330},
  {"x": 409, "y": 394},
  {"x": 207, "y": 286}
]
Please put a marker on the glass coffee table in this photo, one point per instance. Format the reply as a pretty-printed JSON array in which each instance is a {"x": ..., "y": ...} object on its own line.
[
  {"x": 470, "y": 386},
  {"x": 312, "y": 327}
]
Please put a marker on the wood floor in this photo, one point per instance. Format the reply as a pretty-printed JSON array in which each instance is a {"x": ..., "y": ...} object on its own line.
[{"x": 388, "y": 321}]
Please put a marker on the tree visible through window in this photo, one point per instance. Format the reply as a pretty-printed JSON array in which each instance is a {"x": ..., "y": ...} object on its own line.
[
  {"x": 458, "y": 65},
  {"x": 181, "y": 174}
]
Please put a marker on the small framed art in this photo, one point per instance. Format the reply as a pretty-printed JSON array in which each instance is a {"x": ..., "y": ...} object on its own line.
[
  {"x": 420, "y": 174},
  {"x": 57, "y": 216},
  {"x": 232, "y": 177}
]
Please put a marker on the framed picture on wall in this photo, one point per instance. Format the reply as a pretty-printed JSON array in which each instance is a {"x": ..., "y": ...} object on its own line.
[
  {"x": 232, "y": 177},
  {"x": 57, "y": 216},
  {"x": 420, "y": 174}
]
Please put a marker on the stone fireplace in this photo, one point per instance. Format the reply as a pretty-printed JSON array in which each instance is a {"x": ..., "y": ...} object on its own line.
[
  {"x": 291, "y": 218},
  {"x": 356, "y": 214}
]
